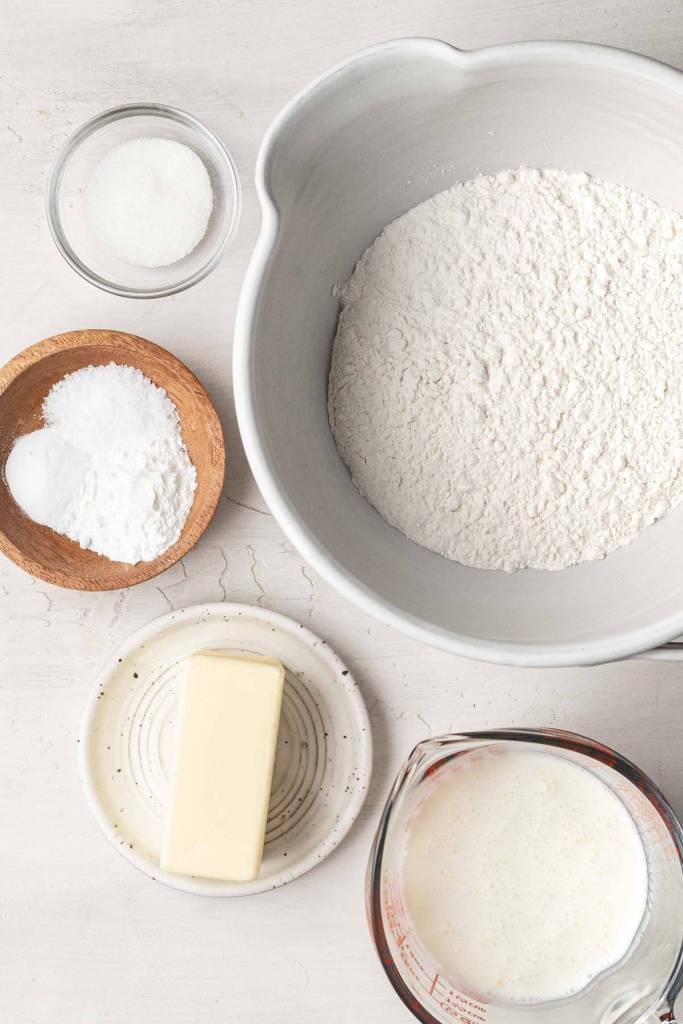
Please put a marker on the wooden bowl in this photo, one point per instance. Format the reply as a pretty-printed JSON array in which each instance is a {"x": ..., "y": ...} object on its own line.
[{"x": 24, "y": 384}]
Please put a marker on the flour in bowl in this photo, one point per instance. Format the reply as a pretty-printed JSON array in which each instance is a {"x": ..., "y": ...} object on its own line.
[{"x": 506, "y": 384}]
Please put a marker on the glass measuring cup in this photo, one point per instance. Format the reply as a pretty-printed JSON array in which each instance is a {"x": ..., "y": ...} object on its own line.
[{"x": 642, "y": 987}]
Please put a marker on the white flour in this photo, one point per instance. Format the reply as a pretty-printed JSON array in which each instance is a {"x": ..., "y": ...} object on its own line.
[
  {"x": 109, "y": 469},
  {"x": 507, "y": 375}
]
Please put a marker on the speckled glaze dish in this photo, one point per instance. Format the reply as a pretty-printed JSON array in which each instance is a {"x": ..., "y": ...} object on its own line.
[
  {"x": 323, "y": 762},
  {"x": 367, "y": 141}
]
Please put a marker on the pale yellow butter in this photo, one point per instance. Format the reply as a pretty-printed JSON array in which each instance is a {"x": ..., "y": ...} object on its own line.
[{"x": 226, "y": 737}]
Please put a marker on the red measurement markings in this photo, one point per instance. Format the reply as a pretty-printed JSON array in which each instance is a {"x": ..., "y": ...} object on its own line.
[
  {"x": 458, "y": 1006},
  {"x": 399, "y": 935},
  {"x": 462, "y": 1009}
]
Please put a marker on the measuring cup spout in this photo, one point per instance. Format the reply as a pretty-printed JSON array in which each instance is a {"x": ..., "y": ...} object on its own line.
[{"x": 665, "y": 1013}]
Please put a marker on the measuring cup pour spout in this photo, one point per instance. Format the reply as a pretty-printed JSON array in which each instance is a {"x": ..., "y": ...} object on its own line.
[
  {"x": 663, "y": 1014},
  {"x": 640, "y": 989}
]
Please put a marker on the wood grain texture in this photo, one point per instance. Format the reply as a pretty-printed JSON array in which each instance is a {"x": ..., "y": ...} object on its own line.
[
  {"x": 24, "y": 384},
  {"x": 85, "y": 939}
]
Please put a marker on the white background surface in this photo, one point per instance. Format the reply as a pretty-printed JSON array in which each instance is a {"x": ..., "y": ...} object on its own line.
[{"x": 84, "y": 939}]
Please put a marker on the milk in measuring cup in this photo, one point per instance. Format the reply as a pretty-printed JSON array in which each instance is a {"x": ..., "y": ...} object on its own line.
[{"x": 524, "y": 875}]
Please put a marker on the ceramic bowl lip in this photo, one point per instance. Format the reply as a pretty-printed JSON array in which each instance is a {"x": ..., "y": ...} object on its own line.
[
  {"x": 626, "y": 644},
  {"x": 156, "y": 628},
  {"x": 229, "y": 173}
]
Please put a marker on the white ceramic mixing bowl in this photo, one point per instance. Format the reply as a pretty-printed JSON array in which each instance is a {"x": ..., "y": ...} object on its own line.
[{"x": 360, "y": 146}]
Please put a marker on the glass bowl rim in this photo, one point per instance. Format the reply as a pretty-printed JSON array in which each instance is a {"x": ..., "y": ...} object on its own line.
[{"x": 87, "y": 129}]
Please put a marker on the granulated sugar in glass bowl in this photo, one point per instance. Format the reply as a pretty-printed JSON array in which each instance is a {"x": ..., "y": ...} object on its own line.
[
  {"x": 149, "y": 201},
  {"x": 104, "y": 182}
]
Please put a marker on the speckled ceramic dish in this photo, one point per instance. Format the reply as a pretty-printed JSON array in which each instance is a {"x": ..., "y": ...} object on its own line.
[{"x": 324, "y": 755}]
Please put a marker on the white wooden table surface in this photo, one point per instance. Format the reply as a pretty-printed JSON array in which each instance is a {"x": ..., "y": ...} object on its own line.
[{"x": 85, "y": 939}]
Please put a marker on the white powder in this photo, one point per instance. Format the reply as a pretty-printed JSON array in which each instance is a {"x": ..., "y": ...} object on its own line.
[
  {"x": 110, "y": 406},
  {"x": 507, "y": 375},
  {"x": 149, "y": 201},
  {"x": 109, "y": 469},
  {"x": 43, "y": 473}
]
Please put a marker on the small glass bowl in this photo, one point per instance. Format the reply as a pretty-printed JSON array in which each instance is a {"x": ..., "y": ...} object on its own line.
[{"x": 73, "y": 170}]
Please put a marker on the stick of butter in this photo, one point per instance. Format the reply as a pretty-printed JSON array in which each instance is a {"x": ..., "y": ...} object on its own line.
[{"x": 226, "y": 737}]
